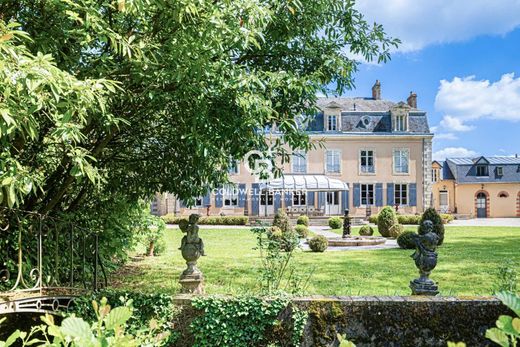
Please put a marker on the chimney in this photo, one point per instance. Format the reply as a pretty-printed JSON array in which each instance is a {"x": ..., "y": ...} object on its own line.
[
  {"x": 376, "y": 91},
  {"x": 412, "y": 100}
]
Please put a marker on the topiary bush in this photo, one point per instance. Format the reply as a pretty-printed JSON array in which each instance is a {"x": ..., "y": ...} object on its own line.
[
  {"x": 406, "y": 240},
  {"x": 303, "y": 220},
  {"x": 385, "y": 220},
  {"x": 335, "y": 222},
  {"x": 318, "y": 243},
  {"x": 301, "y": 230},
  {"x": 373, "y": 219},
  {"x": 366, "y": 230},
  {"x": 395, "y": 230},
  {"x": 438, "y": 225},
  {"x": 281, "y": 220}
]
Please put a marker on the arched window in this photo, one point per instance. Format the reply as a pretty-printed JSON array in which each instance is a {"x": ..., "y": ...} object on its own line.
[{"x": 503, "y": 194}]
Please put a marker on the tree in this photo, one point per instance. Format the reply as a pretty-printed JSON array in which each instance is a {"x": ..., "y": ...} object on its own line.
[{"x": 102, "y": 98}]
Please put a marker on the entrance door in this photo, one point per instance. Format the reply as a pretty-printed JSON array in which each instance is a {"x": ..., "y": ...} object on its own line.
[
  {"x": 481, "y": 205},
  {"x": 267, "y": 203},
  {"x": 332, "y": 206},
  {"x": 443, "y": 201}
]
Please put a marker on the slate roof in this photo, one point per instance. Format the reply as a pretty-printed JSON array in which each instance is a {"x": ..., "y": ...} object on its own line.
[
  {"x": 367, "y": 115},
  {"x": 463, "y": 170}
]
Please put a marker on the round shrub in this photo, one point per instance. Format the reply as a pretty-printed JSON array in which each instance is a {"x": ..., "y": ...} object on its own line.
[
  {"x": 385, "y": 220},
  {"x": 281, "y": 220},
  {"x": 406, "y": 240},
  {"x": 395, "y": 230},
  {"x": 335, "y": 222},
  {"x": 318, "y": 243},
  {"x": 366, "y": 230},
  {"x": 438, "y": 226},
  {"x": 303, "y": 220},
  {"x": 301, "y": 230}
]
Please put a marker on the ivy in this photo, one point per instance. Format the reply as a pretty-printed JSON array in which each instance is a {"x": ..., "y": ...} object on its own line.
[{"x": 246, "y": 321}]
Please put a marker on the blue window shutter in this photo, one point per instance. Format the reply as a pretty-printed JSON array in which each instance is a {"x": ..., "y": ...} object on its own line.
[
  {"x": 344, "y": 200},
  {"x": 317, "y": 123},
  {"x": 206, "y": 200},
  {"x": 277, "y": 201},
  {"x": 255, "y": 199},
  {"x": 241, "y": 195},
  {"x": 357, "y": 195},
  {"x": 321, "y": 199},
  {"x": 219, "y": 198},
  {"x": 287, "y": 199},
  {"x": 379, "y": 194},
  {"x": 390, "y": 194},
  {"x": 310, "y": 198},
  {"x": 413, "y": 194}
]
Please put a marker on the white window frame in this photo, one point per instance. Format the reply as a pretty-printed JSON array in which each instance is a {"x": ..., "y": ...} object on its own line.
[
  {"x": 327, "y": 161},
  {"x": 299, "y": 198},
  {"x": 332, "y": 125},
  {"x": 401, "y": 196},
  {"x": 366, "y": 185},
  {"x": 236, "y": 165},
  {"x": 230, "y": 196},
  {"x": 485, "y": 166},
  {"x": 500, "y": 171},
  {"x": 401, "y": 123},
  {"x": 297, "y": 158},
  {"x": 361, "y": 172},
  {"x": 394, "y": 166},
  {"x": 436, "y": 175},
  {"x": 199, "y": 202}
]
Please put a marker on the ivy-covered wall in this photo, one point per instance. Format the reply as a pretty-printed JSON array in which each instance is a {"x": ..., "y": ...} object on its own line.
[{"x": 387, "y": 321}]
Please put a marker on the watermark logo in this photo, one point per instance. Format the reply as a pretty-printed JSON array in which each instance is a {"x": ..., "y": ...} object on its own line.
[{"x": 262, "y": 166}]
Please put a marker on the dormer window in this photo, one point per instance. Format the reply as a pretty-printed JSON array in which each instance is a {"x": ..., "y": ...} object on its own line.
[
  {"x": 332, "y": 123},
  {"x": 482, "y": 170},
  {"x": 400, "y": 123},
  {"x": 500, "y": 171}
]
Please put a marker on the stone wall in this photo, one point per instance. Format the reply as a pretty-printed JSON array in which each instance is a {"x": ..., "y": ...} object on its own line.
[{"x": 388, "y": 321}]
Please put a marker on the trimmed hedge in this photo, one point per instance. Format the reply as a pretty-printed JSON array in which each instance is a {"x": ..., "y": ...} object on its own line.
[
  {"x": 212, "y": 220},
  {"x": 301, "y": 230},
  {"x": 385, "y": 220},
  {"x": 366, "y": 230},
  {"x": 318, "y": 243},
  {"x": 335, "y": 222},
  {"x": 303, "y": 220},
  {"x": 395, "y": 230},
  {"x": 438, "y": 224},
  {"x": 412, "y": 219},
  {"x": 406, "y": 240}
]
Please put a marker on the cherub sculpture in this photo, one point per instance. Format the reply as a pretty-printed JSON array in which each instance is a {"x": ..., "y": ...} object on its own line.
[
  {"x": 192, "y": 246},
  {"x": 425, "y": 259}
]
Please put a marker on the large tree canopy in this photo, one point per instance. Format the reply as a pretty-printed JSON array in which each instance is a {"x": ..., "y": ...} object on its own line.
[{"x": 118, "y": 97}]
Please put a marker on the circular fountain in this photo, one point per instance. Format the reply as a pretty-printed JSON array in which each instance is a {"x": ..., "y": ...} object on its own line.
[{"x": 352, "y": 241}]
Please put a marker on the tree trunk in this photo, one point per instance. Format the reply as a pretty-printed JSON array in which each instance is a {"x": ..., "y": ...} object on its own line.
[{"x": 150, "y": 250}]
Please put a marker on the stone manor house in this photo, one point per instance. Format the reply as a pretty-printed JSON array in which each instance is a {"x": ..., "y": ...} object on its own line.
[{"x": 376, "y": 152}]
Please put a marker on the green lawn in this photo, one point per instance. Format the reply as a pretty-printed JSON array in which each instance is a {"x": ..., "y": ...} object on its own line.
[{"x": 468, "y": 262}]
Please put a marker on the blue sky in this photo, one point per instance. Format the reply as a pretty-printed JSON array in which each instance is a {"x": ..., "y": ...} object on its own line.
[{"x": 463, "y": 61}]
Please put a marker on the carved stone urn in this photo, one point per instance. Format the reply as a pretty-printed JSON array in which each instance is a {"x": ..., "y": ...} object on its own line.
[
  {"x": 425, "y": 259},
  {"x": 192, "y": 248}
]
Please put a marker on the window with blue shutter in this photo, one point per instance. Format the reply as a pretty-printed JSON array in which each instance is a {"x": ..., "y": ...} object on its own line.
[
  {"x": 413, "y": 194},
  {"x": 255, "y": 199},
  {"x": 310, "y": 198},
  {"x": 242, "y": 195},
  {"x": 321, "y": 199},
  {"x": 344, "y": 199},
  {"x": 277, "y": 201},
  {"x": 219, "y": 197},
  {"x": 206, "y": 199},
  {"x": 379, "y": 194},
  {"x": 390, "y": 194},
  {"x": 357, "y": 195},
  {"x": 287, "y": 199}
]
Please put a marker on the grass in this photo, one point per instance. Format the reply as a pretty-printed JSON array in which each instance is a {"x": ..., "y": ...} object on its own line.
[{"x": 468, "y": 262}]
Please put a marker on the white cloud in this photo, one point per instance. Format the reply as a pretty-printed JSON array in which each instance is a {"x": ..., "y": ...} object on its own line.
[
  {"x": 454, "y": 124},
  {"x": 446, "y": 136},
  {"x": 419, "y": 23},
  {"x": 453, "y": 152}
]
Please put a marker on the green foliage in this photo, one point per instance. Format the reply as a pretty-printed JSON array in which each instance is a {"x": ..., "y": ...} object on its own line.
[
  {"x": 281, "y": 220},
  {"x": 301, "y": 230},
  {"x": 506, "y": 277},
  {"x": 366, "y": 230},
  {"x": 212, "y": 220},
  {"x": 438, "y": 225},
  {"x": 150, "y": 232},
  {"x": 344, "y": 342},
  {"x": 406, "y": 240},
  {"x": 278, "y": 273},
  {"x": 245, "y": 321},
  {"x": 148, "y": 309},
  {"x": 507, "y": 331},
  {"x": 318, "y": 243},
  {"x": 395, "y": 230},
  {"x": 412, "y": 219},
  {"x": 303, "y": 220},
  {"x": 108, "y": 329},
  {"x": 335, "y": 222},
  {"x": 385, "y": 220}
]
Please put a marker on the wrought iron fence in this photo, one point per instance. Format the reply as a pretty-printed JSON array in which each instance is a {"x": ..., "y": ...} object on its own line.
[{"x": 39, "y": 253}]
